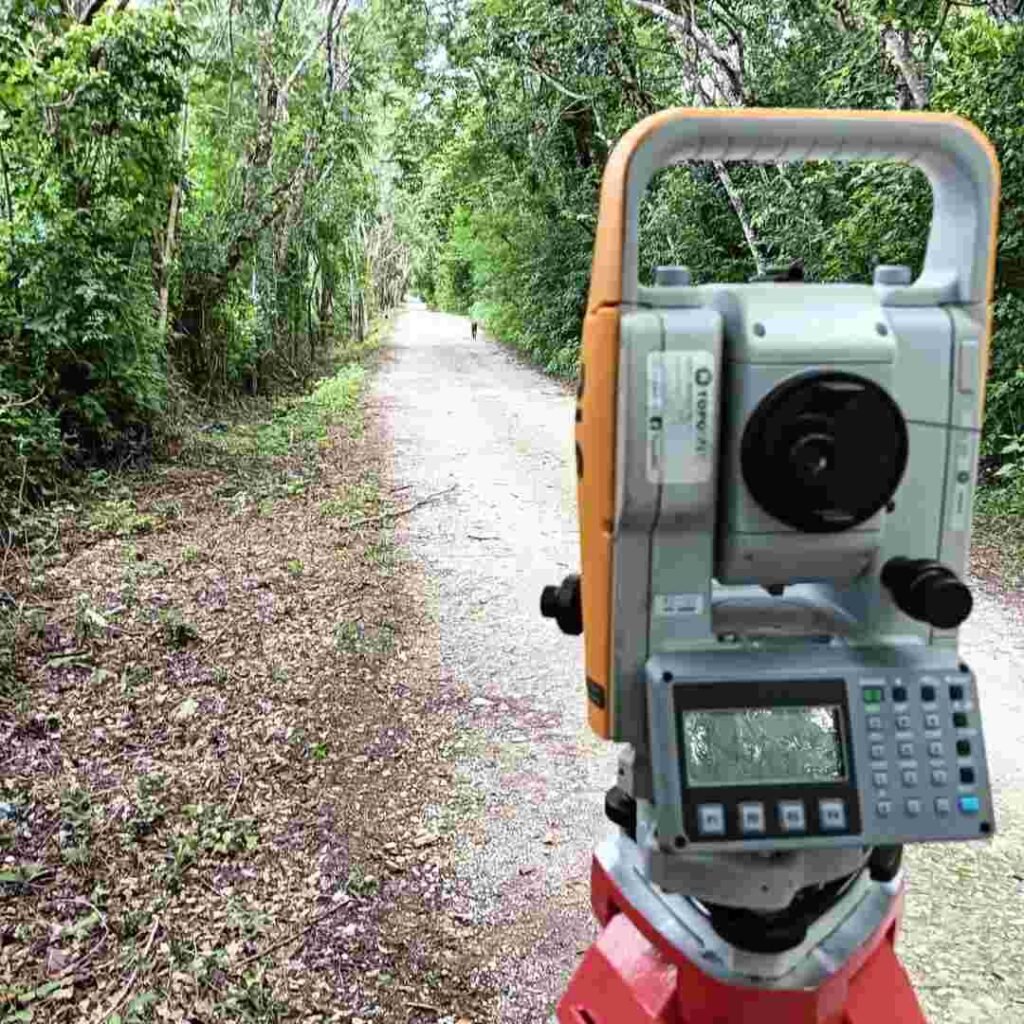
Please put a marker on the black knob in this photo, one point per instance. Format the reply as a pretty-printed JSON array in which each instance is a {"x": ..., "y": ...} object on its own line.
[
  {"x": 927, "y": 591},
  {"x": 620, "y": 809},
  {"x": 563, "y": 604}
]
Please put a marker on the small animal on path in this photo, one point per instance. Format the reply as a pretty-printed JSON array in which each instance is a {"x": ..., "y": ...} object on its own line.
[{"x": 472, "y": 328}]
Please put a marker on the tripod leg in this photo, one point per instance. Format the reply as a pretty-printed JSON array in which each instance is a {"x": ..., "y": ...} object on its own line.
[
  {"x": 623, "y": 979},
  {"x": 880, "y": 991}
]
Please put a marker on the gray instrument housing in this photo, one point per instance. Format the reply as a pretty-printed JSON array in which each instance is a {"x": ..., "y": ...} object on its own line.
[{"x": 692, "y": 558}]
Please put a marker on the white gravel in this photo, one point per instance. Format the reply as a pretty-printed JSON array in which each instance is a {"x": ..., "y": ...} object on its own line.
[{"x": 468, "y": 413}]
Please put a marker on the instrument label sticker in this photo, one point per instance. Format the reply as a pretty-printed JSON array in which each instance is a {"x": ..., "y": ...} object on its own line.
[{"x": 680, "y": 417}]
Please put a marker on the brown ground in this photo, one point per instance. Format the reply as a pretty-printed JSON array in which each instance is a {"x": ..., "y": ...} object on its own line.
[{"x": 218, "y": 749}]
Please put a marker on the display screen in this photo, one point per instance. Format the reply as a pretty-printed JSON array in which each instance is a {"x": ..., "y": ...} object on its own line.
[{"x": 763, "y": 746}]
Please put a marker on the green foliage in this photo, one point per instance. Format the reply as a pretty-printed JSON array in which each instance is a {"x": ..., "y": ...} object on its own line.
[
  {"x": 190, "y": 198},
  {"x": 503, "y": 165},
  {"x": 177, "y": 631},
  {"x": 86, "y": 138}
]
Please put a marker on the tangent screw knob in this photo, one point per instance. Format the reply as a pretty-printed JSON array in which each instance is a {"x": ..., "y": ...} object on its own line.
[{"x": 563, "y": 603}]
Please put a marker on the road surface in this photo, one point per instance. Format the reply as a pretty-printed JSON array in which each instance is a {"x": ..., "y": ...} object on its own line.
[{"x": 469, "y": 413}]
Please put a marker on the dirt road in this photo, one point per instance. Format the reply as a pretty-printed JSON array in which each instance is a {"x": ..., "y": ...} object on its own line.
[{"x": 468, "y": 414}]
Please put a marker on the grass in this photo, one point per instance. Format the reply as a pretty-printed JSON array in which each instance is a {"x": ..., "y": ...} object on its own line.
[{"x": 302, "y": 422}]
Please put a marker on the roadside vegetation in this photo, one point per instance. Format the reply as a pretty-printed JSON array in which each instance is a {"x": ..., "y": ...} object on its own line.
[{"x": 222, "y": 743}]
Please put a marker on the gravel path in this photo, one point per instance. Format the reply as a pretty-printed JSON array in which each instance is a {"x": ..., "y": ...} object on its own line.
[{"x": 467, "y": 413}]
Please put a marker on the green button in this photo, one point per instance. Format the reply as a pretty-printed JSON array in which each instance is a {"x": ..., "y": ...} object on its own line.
[{"x": 872, "y": 696}]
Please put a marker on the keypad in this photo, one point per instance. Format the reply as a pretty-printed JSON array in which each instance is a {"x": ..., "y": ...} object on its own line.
[{"x": 923, "y": 765}]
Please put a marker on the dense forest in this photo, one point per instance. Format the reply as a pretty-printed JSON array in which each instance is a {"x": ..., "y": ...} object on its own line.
[
  {"x": 201, "y": 198},
  {"x": 191, "y": 206}
]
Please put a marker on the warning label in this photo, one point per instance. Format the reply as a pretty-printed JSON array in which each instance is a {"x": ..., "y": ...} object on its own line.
[{"x": 680, "y": 417}]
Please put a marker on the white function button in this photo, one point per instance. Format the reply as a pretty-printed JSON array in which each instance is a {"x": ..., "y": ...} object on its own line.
[
  {"x": 939, "y": 777},
  {"x": 881, "y": 779},
  {"x": 942, "y": 806},
  {"x": 791, "y": 816},
  {"x": 931, "y": 721},
  {"x": 913, "y": 808},
  {"x": 711, "y": 819},
  {"x": 877, "y": 752},
  {"x": 875, "y": 723},
  {"x": 883, "y": 807},
  {"x": 752, "y": 818},
  {"x": 909, "y": 777},
  {"x": 832, "y": 815},
  {"x": 903, "y": 721},
  {"x": 934, "y": 749},
  {"x": 906, "y": 749}
]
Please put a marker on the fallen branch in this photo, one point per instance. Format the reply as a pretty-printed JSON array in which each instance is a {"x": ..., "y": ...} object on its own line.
[
  {"x": 398, "y": 512},
  {"x": 126, "y": 990},
  {"x": 289, "y": 939}
]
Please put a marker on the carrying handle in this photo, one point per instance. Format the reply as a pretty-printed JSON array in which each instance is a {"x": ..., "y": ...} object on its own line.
[{"x": 957, "y": 159}]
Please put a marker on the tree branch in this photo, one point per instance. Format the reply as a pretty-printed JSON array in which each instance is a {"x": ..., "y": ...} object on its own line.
[{"x": 94, "y": 8}]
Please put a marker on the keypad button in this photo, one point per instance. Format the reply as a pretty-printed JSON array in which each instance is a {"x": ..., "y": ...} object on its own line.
[
  {"x": 883, "y": 807},
  {"x": 791, "y": 816},
  {"x": 969, "y": 804},
  {"x": 899, "y": 694},
  {"x": 906, "y": 749},
  {"x": 752, "y": 818},
  {"x": 875, "y": 723},
  {"x": 959, "y": 720},
  {"x": 877, "y": 752},
  {"x": 942, "y": 806},
  {"x": 873, "y": 694},
  {"x": 832, "y": 815},
  {"x": 931, "y": 721},
  {"x": 935, "y": 749},
  {"x": 963, "y": 747},
  {"x": 967, "y": 776},
  {"x": 927, "y": 694},
  {"x": 939, "y": 776},
  {"x": 881, "y": 780},
  {"x": 913, "y": 807},
  {"x": 910, "y": 777},
  {"x": 711, "y": 819},
  {"x": 956, "y": 692},
  {"x": 903, "y": 721}
]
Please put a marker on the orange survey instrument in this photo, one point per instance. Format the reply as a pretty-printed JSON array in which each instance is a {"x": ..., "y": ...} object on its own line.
[{"x": 775, "y": 492}]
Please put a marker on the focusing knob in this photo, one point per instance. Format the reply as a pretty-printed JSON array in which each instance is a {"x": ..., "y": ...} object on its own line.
[
  {"x": 927, "y": 591},
  {"x": 564, "y": 605}
]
